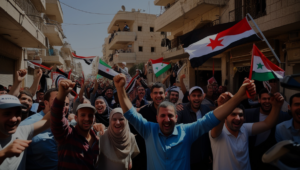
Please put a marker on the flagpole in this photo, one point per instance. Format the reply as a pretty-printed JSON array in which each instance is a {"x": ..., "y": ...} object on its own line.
[{"x": 264, "y": 37}]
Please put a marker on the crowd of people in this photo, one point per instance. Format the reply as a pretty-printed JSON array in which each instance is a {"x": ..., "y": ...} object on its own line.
[{"x": 151, "y": 128}]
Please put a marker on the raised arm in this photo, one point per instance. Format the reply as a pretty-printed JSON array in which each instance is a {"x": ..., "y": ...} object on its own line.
[
  {"x": 182, "y": 86},
  {"x": 83, "y": 87},
  {"x": 259, "y": 127},
  {"x": 37, "y": 77},
  {"x": 223, "y": 98},
  {"x": 165, "y": 79},
  {"x": 42, "y": 125},
  {"x": 19, "y": 77},
  {"x": 136, "y": 119},
  {"x": 59, "y": 124}
]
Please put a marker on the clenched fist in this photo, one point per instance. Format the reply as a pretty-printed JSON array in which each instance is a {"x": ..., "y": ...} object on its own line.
[
  {"x": 119, "y": 80},
  {"x": 277, "y": 100},
  {"x": 16, "y": 148},
  {"x": 65, "y": 87},
  {"x": 21, "y": 75},
  {"x": 224, "y": 97}
]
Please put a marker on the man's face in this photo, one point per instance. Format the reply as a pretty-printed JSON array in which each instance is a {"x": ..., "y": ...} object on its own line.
[
  {"x": 109, "y": 93},
  {"x": 51, "y": 99},
  {"x": 9, "y": 121},
  {"x": 195, "y": 99},
  {"x": 295, "y": 109},
  {"x": 85, "y": 118},
  {"x": 66, "y": 107},
  {"x": 27, "y": 101},
  {"x": 141, "y": 92},
  {"x": 9, "y": 87},
  {"x": 3, "y": 92},
  {"x": 41, "y": 96},
  {"x": 265, "y": 104},
  {"x": 157, "y": 95},
  {"x": 166, "y": 119},
  {"x": 210, "y": 90},
  {"x": 235, "y": 120},
  {"x": 174, "y": 96}
]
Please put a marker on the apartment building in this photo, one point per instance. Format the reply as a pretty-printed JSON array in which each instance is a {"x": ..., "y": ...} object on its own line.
[
  {"x": 279, "y": 20},
  {"x": 132, "y": 39}
]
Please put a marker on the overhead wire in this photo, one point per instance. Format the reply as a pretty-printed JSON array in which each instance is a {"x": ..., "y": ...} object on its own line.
[
  {"x": 84, "y": 11},
  {"x": 85, "y": 24}
]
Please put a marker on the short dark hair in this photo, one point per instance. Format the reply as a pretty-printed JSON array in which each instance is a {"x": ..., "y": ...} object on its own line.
[
  {"x": 48, "y": 93},
  {"x": 292, "y": 97},
  {"x": 165, "y": 104},
  {"x": 9, "y": 85},
  {"x": 27, "y": 93},
  {"x": 158, "y": 85},
  {"x": 241, "y": 106},
  {"x": 262, "y": 91}
]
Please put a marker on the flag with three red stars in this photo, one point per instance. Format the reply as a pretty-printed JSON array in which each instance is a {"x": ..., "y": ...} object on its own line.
[{"x": 218, "y": 42}]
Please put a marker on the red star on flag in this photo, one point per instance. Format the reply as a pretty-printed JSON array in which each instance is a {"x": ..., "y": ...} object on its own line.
[
  {"x": 215, "y": 43},
  {"x": 107, "y": 70}
]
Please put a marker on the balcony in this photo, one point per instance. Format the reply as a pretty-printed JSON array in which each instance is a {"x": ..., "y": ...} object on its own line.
[
  {"x": 175, "y": 53},
  {"x": 67, "y": 48},
  {"x": 163, "y": 2},
  {"x": 119, "y": 20},
  {"x": 124, "y": 57},
  {"x": 54, "y": 11},
  {"x": 19, "y": 26},
  {"x": 52, "y": 57},
  {"x": 54, "y": 35},
  {"x": 179, "y": 13},
  {"x": 120, "y": 39},
  {"x": 40, "y": 5}
]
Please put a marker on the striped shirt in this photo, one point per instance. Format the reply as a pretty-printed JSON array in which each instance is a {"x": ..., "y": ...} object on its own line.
[{"x": 74, "y": 151}]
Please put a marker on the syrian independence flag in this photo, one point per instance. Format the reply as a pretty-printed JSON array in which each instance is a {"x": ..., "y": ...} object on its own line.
[
  {"x": 216, "y": 43},
  {"x": 105, "y": 70},
  {"x": 262, "y": 69},
  {"x": 87, "y": 60},
  {"x": 159, "y": 67}
]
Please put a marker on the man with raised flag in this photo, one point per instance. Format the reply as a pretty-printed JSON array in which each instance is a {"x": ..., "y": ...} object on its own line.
[
  {"x": 218, "y": 42},
  {"x": 159, "y": 67}
]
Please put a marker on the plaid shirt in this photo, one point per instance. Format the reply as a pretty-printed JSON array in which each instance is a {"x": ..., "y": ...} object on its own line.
[{"x": 74, "y": 151}]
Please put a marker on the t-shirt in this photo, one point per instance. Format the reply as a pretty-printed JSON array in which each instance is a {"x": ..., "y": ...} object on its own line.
[
  {"x": 230, "y": 152},
  {"x": 264, "y": 135},
  {"x": 16, "y": 163}
]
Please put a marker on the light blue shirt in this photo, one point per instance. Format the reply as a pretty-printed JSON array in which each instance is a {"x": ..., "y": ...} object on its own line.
[
  {"x": 172, "y": 152},
  {"x": 286, "y": 131},
  {"x": 42, "y": 152}
]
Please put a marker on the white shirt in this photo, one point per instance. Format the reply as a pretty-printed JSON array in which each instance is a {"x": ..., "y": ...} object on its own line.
[
  {"x": 260, "y": 138},
  {"x": 230, "y": 152}
]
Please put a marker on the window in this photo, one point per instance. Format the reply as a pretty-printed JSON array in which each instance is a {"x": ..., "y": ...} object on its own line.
[
  {"x": 151, "y": 29},
  {"x": 139, "y": 28},
  {"x": 140, "y": 49},
  {"x": 152, "y": 49},
  {"x": 162, "y": 33}
]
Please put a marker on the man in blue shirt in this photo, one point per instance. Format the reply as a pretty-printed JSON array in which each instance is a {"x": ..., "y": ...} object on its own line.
[
  {"x": 168, "y": 145},
  {"x": 42, "y": 152},
  {"x": 290, "y": 129}
]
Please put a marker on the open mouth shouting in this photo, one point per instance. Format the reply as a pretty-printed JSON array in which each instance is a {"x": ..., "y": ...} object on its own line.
[
  {"x": 158, "y": 99},
  {"x": 11, "y": 126},
  {"x": 100, "y": 109},
  {"x": 236, "y": 124}
]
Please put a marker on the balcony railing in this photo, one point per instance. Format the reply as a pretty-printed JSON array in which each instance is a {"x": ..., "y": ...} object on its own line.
[
  {"x": 240, "y": 12},
  {"x": 55, "y": 23},
  {"x": 31, "y": 12}
]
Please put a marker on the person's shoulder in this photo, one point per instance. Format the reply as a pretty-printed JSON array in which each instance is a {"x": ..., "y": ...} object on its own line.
[
  {"x": 32, "y": 119},
  {"x": 284, "y": 125}
]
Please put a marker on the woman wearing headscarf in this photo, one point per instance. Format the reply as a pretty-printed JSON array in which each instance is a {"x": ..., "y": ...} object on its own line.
[
  {"x": 103, "y": 111},
  {"x": 117, "y": 147}
]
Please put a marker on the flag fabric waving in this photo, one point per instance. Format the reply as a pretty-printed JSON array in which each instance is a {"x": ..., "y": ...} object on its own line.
[
  {"x": 87, "y": 60},
  {"x": 217, "y": 43},
  {"x": 159, "y": 67},
  {"x": 34, "y": 64},
  {"x": 262, "y": 69},
  {"x": 105, "y": 70}
]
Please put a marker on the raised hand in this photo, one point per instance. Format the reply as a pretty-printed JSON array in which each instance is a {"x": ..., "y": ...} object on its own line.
[
  {"x": 224, "y": 97},
  {"x": 16, "y": 148},
  {"x": 38, "y": 73},
  {"x": 65, "y": 87},
  {"x": 182, "y": 76},
  {"x": 21, "y": 75},
  {"x": 99, "y": 127},
  {"x": 119, "y": 80},
  {"x": 277, "y": 100},
  {"x": 249, "y": 86}
]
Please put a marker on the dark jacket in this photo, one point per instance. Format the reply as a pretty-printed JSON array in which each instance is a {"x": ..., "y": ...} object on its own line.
[
  {"x": 256, "y": 152},
  {"x": 201, "y": 149},
  {"x": 140, "y": 161},
  {"x": 143, "y": 102}
]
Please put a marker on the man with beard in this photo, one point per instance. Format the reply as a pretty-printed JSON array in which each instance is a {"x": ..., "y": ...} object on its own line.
[
  {"x": 290, "y": 129},
  {"x": 139, "y": 100},
  {"x": 168, "y": 145},
  {"x": 149, "y": 113},
  {"x": 193, "y": 111},
  {"x": 173, "y": 94},
  {"x": 229, "y": 141},
  {"x": 78, "y": 146},
  {"x": 14, "y": 139},
  {"x": 39, "y": 96},
  {"x": 26, "y": 99},
  {"x": 262, "y": 142},
  {"x": 43, "y": 142}
]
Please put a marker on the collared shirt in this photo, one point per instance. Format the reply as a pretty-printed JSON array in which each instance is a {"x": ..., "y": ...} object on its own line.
[
  {"x": 286, "y": 131},
  {"x": 172, "y": 152},
  {"x": 230, "y": 152},
  {"x": 41, "y": 144},
  {"x": 74, "y": 151}
]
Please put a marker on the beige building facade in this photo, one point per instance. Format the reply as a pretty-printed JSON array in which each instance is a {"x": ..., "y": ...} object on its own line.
[
  {"x": 136, "y": 45},
  {"x": 279, "y": 20}
]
